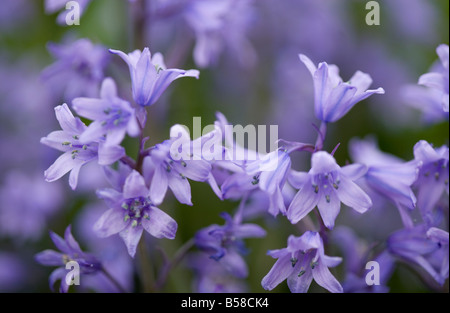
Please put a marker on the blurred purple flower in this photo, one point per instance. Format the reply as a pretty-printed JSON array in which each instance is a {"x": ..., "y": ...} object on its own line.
[
  {"x": 302, "y": 261},
  {"x": 78, "y": 69},
  {"x": 70, "y": 251},
  {"x": 433, "y": 176},
  {"x": 13, "y": 272},
  {"x": 439, "y": 79},
  {"x": 149, "y": 75},
  {"x": 225, "y": 245},
  {"x": 333, "y": 97},
  {"x": 28, "y": 203},
  {"x": 212, "y": 277},
  {"x": 441, "y": 237},
  {"x": 355, "y": 253},
  {"x": 132, "y": 211},
  {"x": 427, "y": 100},
  {"x": 220, "y": 24},
  {"x": 415, "y": 246},
  {"x": 112, "y": 116},
  {"x": 326, "y": 185},
  {"x": 386, "y": 174}
]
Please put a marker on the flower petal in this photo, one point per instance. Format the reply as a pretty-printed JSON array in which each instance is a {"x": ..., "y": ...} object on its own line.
[
  {"x": 324, "y": 278},
  {"x": 134, "y": 186},
  {"x": 329, "y": 206},
  {"x": 353, "y": 196},
  {"x": 159, "y": 185},
  {"x": 160, "y": 224},
  {"x": 111, "y": 222},
  {"x": 180, "y": 188},
  {"x": 304, "y": 201},
  {"x": 281, "y": 270},
  {"x": 131, "y": 236},
  {"x": 109, "y": 154},
  {"x": 235, "y": 264},
  {"x": 300, "y": 283},
  {"x": 49, "y": 258}
]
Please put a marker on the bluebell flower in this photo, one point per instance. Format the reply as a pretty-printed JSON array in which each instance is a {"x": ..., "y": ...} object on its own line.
[
  {"x": 386, "y": 174},
  {"x": 78, "y": 69},
  {"x": 302, "y": 261},
  {"x": 131, "y": 212},
  {"x": 433, "y": 176},
  {"x": 270, "y": 175},
  {"x": 211, "y": 277},
  {"x": 441, "y": 237},
  {"x": 149, "y": 75},
  {"x": 70, "y": 251},
  {"x": 111, "y": 116},
  {"x": 438, "y": 79},
  {"x": 417, "y": 246},
  {"x": 171, "y": 168},
  {"x": 326, "y": 185},
  {"x": 334, "y": 97},
  {"x": 76, "y": 154},
  {"x": 225, "y": 243}
]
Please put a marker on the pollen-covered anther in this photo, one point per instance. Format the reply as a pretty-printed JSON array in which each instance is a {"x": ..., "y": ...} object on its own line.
[{"x": 294, "y": 261}]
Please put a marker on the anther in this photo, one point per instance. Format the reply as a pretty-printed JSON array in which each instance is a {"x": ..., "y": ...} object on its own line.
[
  {"x": 126, "y": 218},
  {"x": 327, "y": 197},
  {"x": 294, "y": 261}
]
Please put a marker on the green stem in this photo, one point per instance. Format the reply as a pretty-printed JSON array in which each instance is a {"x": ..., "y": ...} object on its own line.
[{"x": 146, "y": 270}]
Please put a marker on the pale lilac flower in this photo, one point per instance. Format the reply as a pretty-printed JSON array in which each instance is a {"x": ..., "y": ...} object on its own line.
[
  {"x": 70, "y": 251},
  {"x": 433, "y": 176},
  {"x": 131, "y": 212},
  {"x": 52, "y": 6},
  {"x": 76, "y": 154},
  {"x": 225, "y": 243},
  {"x": 111, "y": 116},
  {"x": 426, "y": 100},
  {"x": 172, "y": 167},
  {"x": 441, "y": 237},
  {"x": 149, "y": 75},
  {"x": 212, "y": 277},
  {"x": 439, "y": 79},
  {"x": 386, "y": 174},
  {"x": 302, "y": 261},
  {"x": 326, "y": 185},
  {"x": 78, "y": 70},
  {"x": 416, "y": 246},
  {"x": 270, "y": 175},
  {"x": 334, "y": 97}
]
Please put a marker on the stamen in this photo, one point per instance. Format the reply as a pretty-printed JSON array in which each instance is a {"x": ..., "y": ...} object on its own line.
[{"x": 327, "y": 197}]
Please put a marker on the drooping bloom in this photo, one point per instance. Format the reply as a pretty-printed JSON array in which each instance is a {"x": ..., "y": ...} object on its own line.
[
  {"x": 302, "y": 261},
  {"x": 149, "y": 75},
  {"x": 326, "y": 185},
  {"x": 417, "y": 246},
  {"x": 78, "y": 70},
  {"x": 66, "y": 140},
  {"x": 225, "y": 243},
  {"x": 441, "y": 237},
  {"x": 212, "y": 277},
  {"x": 52, "y": 6},
  {"x": 386, "y": 174},
  {"x": 438, "y": 79},
  {"x": 334, "y": 97},
  {"x": 173, "y": 162},
  {"x": 70, "y": 251},
  {"x": 131, "y": 212},
  {"x": 76, "y": 154},
  {"x": 111, "y": 116},
  {"x": 433, "y": 176}
]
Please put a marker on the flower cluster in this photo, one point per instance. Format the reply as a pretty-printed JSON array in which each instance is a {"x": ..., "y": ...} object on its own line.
[{"x": 110, "y": 127}]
